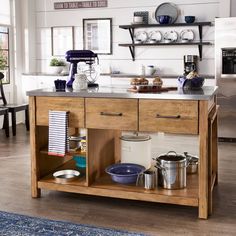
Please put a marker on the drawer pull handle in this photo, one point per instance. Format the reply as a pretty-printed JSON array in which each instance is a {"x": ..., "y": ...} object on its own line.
[
  {"x": 110, "y": 114},
  {"x": 168, "y": 117}
]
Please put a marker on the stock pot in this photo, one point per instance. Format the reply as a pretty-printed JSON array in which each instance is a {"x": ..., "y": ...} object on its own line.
[{"x": 172, "y": 170}]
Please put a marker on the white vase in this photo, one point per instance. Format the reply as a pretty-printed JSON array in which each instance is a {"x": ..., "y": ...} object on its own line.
[
  {"x": 80, "y": 82},
  {"x": 56, "y": 69}
]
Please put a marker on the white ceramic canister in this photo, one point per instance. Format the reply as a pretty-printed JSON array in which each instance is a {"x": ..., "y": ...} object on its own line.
[
  {"x": 80, "y": 82},
  {"x": 150, "y": 70},
  {"x": 136, "y": 149}
]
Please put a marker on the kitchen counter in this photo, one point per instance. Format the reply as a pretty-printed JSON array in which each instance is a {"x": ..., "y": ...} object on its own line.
[
  {"x": 106, "y": 112},
  {"x": 121, "y": 92}
]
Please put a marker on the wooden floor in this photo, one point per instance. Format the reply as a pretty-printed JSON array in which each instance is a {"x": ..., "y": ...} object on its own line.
[{"x": 149, "y": 218}]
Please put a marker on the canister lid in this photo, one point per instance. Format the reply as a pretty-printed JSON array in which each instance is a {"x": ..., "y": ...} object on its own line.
[{"x": 135, "y": 138}]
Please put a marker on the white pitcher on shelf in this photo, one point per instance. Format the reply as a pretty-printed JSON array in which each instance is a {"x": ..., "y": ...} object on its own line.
[{"x": 80, "y": 82}]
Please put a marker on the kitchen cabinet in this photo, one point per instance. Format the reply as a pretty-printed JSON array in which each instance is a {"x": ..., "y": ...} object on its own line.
[
  {"x": 105, "y": 114},
  {"x": 132, "y": 28}
]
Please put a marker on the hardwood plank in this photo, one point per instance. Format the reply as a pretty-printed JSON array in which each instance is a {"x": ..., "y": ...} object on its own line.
[
  {"x": 35, "y": 191},
  {"x": 101, "y": 151},
  {"x": 203, "y": 160}
]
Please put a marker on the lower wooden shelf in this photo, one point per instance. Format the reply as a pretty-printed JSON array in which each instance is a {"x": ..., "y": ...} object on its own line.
[
  {"x": 104, "y": 186},
  {"x": 49, "y": 181}
]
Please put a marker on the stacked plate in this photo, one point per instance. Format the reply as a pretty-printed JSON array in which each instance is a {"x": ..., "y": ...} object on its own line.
[{"x": 58, "y": 142}]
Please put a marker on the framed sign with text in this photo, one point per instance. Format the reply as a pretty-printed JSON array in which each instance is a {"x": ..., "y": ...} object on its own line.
[{"x": 80, "y": 4}]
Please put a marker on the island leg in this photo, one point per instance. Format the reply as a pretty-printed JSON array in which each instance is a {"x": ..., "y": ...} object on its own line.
[
  {"x": 203, "y": 160},
  {"x": 35, "y": 191}
]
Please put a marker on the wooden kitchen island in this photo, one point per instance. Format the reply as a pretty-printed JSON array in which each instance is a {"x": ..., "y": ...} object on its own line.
[{"x": 105, "y": 113}]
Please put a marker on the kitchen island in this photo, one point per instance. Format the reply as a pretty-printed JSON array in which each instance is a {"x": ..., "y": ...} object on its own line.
[{"x": 107, "y": 111}]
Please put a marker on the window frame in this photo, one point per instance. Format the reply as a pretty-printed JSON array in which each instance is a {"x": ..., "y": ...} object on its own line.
[{"x": 6, "y": 79}]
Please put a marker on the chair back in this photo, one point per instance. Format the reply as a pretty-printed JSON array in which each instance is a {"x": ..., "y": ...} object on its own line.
[{"x": 2, "y": 94}]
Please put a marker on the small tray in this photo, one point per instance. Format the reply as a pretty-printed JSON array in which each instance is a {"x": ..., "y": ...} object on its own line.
[
  {"x": 64, "y": 176},
  {"x": 150, "y": 89}
]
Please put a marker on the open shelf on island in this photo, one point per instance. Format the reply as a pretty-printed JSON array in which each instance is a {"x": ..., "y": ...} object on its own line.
[
  {"x": 69, "y": 154},
  {"x": 187, "y": 196},
  {"x": 49, "y": 182}
]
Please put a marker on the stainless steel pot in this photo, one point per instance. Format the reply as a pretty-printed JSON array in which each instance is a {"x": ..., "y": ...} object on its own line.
[
  {"x": 172, "y": 170},
  {"x": 192, "y": 167}
]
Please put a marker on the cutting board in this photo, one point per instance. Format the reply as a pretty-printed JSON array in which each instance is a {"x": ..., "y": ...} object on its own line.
[{"x": 151, "y": 89}]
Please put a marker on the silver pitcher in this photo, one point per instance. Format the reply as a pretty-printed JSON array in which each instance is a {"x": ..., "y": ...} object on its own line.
[{"x": 148, "y": 179}]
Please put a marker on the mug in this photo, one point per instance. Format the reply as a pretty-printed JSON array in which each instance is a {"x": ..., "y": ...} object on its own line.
[
  {"x": 148, "y": 179},
  {"x": 150, "y": 70},
  {"x": 189, "y": 19},
  {"x": 138, "y": 19}
]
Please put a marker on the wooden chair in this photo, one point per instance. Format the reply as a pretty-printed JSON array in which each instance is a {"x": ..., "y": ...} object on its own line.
[
  {"x": 4, "y": 112},
  {"x": 13, "y": 108}
]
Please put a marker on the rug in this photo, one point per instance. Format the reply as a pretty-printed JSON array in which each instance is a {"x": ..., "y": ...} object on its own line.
[{"x": 20, "y": 225}]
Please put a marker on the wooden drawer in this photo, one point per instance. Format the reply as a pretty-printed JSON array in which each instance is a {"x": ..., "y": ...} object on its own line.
[
  {"x": 74, "y": 105},
  {"x": 105, "y": 113},
  {"x": 168, "y": 116}
]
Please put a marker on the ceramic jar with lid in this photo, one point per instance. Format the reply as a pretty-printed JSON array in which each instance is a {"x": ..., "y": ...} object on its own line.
[{"x": 80, "y": 82}]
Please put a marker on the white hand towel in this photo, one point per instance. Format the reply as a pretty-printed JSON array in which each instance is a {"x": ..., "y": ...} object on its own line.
[{"x": 58, "y": 143}]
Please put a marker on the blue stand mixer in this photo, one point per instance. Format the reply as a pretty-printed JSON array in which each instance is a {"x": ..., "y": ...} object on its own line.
[{"x": 89, "y": 58}]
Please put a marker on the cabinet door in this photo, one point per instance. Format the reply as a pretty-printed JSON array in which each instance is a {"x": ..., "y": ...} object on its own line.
[
  {"x": 104, "y": 113},
  {"x": 168, "y": 116},
  {"x": 74, "y": 105}
]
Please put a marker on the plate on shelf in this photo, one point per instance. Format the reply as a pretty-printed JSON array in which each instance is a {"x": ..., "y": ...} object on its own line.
[
  {"x": 167, "y": 8},
  {"x": 154, "y": 36},
  {"x": 186, "y": 36},
  {"x": 171, "y": 36},
  {"x": 141, "y": 37}
]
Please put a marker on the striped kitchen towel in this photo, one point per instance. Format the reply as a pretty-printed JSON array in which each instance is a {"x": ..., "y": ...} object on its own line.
[{"x": 58, "y": 143}]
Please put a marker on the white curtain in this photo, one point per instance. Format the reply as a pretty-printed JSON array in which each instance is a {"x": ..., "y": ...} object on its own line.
[{"x": 5, "y": 12}]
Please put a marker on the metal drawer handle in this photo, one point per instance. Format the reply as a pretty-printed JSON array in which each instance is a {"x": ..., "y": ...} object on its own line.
[
  {"x": 168, "y": 117},
  {"x": 110, "y": 114}
]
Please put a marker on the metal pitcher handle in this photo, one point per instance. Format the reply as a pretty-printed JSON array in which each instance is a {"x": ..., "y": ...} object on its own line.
[
  {"x": 188, "y": 158},
  {"x": 140, "y": 177}
]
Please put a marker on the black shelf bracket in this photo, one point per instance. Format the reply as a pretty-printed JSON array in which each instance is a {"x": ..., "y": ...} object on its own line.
[
  {"x": 200, "y": 51},
  {"x": 200, "y": 45},
  {"x": 132, "y": 51},
  {"x": 131, "y": 48}
]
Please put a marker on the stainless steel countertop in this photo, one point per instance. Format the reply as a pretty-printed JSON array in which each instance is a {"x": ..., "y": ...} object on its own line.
[{"x": 121, "y": 92}]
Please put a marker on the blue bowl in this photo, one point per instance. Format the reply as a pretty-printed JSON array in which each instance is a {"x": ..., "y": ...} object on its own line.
[
  {"x": 189, "y": 19},
  {"x": 194, "y": 83},
  {"x": 124, "y": 173},
  {"x": 191, "y": 84},
  {"x": 164, "y": 19},
  {"x": 80, "y": 161}
]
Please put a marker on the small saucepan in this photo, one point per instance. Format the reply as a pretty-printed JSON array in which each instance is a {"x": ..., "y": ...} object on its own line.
[{"x": 192, "y": 167}]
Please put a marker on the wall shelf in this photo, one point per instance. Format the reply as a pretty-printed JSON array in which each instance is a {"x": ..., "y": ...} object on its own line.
[{"x": 132, "y": 45}]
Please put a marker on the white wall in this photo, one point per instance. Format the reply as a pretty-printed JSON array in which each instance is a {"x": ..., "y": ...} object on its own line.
[{"x": 168, "y": 60}]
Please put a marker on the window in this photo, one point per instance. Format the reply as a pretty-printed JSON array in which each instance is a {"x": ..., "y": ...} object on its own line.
[{"x": 4, "y": 52}]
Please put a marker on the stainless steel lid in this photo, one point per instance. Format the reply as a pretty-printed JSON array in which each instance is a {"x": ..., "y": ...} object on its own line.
[{"x": 135, "y": 138}]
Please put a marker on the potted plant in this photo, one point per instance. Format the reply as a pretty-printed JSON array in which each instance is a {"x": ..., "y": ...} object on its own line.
[
  {"x": 57, "y": 65},
  {"x": 3, "y": 63}
]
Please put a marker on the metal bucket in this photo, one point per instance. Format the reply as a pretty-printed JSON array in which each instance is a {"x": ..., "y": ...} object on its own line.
[{"x": 172, "y": 170}]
